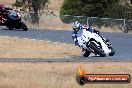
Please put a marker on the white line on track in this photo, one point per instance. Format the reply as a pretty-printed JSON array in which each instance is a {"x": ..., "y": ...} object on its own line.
[{"x": 37, "y": 40}]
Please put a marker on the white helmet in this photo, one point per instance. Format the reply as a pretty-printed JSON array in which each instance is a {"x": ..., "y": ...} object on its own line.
[{"x": 76, "y": 26}]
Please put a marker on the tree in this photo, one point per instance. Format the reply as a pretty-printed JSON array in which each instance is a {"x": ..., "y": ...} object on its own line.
[
  {"x": 32, "y": 5},
  {"x": 96, "y": 8}
]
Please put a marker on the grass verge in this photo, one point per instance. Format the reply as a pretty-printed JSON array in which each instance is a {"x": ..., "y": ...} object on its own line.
[
  {"x": 58, "y": 75},
  {"x": 27, "y": 48}
]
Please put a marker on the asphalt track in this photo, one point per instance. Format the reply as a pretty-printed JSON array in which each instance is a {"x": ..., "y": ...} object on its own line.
[{"x": 122, "y": 43}]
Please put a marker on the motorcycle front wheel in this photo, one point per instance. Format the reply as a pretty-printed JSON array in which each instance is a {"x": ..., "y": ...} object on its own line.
[{"x": 96, "y": 49}]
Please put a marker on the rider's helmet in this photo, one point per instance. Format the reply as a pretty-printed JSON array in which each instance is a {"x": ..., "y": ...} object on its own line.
[
  {"x": 1, "y": 6},
  {"x": 76, "y": 26}
]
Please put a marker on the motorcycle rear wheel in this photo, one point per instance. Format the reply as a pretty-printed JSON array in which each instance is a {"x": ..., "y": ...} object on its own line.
[
  {"x": 112, "y": 51},
  {"x": 86, "y": 54}
]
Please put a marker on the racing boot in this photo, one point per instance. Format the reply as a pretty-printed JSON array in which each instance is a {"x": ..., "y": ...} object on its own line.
[{"x": 107, "y": 40}]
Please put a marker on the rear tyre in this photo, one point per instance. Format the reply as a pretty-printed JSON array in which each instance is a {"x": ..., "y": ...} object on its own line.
[
  {"x": 86, "y": 54},
  {"x": 10, "y": 28},
  {"x": 24, "y": 26},
  {"x": 98, "y": 51},
  {"x": 112, "y": 52}
]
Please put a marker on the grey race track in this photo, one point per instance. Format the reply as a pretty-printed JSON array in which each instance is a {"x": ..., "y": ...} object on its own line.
[{"x": 122, "y": 43}]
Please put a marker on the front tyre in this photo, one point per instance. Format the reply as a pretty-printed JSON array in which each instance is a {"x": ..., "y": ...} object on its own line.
[
  {"x": 24, "y": 26},
  {"x": 97, "y": 50}
]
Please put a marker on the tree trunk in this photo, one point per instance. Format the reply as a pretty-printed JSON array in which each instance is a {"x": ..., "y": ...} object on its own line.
[
  {"x": 36, "y": 18},
  {"x": 35, "y": 14}
]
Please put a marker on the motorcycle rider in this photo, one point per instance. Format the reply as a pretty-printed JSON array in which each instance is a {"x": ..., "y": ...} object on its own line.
[
  {"x": 3, "y": 12},
  {"x": 77, "y": 30}
]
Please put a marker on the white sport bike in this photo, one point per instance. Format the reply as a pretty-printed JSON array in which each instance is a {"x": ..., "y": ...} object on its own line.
[{"x": 94, "y": 43}]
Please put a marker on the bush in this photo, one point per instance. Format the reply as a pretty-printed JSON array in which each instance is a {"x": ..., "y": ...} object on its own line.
[{"x": 91, "y": 8}]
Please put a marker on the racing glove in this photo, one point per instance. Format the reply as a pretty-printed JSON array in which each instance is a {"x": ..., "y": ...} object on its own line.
[{"x": 76, "y": 42}]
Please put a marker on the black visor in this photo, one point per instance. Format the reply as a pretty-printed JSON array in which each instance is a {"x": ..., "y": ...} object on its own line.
[{"x": 76, "y": 29}]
